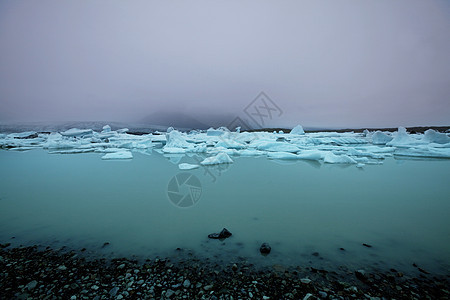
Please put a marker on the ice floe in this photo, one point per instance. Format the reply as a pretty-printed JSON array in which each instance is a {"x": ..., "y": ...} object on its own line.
[
  {"x": 332, "y": 158},
  {"x": 217, "y": 146},
  {"x": 118, "y": 155},
  {"x": 220, "y": 158},
  {"x": 186, "y": 166}
]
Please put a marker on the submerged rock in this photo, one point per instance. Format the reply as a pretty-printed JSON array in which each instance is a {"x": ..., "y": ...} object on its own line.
[
  {"x": 222, "y": 235},
  {"x": 361, "y": 275},
  {"x": 265, "y": 249}
]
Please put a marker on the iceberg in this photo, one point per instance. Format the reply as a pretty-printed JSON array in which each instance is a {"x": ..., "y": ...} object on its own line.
[
  {"x": 298, "y": 130},
  {"x": 277, "y": 147},
  {"x": 249, "y": 152},
  {"x": 380, "y": 138},
  {"x": 22, "y": 135},
  {"x": 106, "y": 129},
  {"x": 228, "y": 143},
  {"x": 175, "y": 139},
  {"x": 77, "y": 132},
  {"x": 332, "y": 158},
  {"x": 118, "y": 155},
  {"x": 424, "y": 152},
  {"x": 220, "y": 158},
  {"x": 432, "y": 136},
  {"x": 402, "y": 139},
  {"x": 282, "y": 155},
  {"x": 311, "y": 154},
  {"x": 185, "y": 166},
  {"x": 214, "y": 132},
  {"x": 173, "y": 150}
]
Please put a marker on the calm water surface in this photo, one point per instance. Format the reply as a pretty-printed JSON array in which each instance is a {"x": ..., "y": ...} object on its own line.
[{"x": 401, "y": 208}]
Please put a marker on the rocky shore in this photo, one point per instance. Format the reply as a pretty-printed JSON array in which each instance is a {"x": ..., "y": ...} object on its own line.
[{"x": 32, "y": 273}]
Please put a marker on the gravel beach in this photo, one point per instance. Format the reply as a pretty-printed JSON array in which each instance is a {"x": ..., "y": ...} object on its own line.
[{"x": 35, "y": 273}]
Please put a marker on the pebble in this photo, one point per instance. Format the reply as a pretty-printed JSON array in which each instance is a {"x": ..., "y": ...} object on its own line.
[
  {"x": 121, "y": 266},
  {"x": 169, "y": 293},
  {"x": 307, "y": 296},
  {"x": 31, "y": 285},
  {"x": 322, "y": 294},
  {"x": 234, "y": 267},
  {"x": 62, "y": 268},
  {"x": 113, "y": 291},
  {"x": 208, "y": 287},
  {"x": 305, "y": 280},
  {"x": 361, "y": 275},
  {"x": 186, "y": 283}
]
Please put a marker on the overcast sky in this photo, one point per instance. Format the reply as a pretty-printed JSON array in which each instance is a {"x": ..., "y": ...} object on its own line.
[{"x": 324, "y": 63}]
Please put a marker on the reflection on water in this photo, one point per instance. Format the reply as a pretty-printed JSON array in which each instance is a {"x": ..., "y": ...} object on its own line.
[{"x": 305, "y": 210}]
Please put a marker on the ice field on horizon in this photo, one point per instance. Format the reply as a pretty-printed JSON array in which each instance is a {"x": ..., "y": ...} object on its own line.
[{"x": 219, "y": 146}]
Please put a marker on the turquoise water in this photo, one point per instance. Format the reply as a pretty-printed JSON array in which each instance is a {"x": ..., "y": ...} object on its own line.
[{"x": 401, "y": 208}]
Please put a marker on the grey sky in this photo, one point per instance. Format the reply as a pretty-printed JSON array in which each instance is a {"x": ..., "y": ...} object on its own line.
[{"x": 325, "y": 63}]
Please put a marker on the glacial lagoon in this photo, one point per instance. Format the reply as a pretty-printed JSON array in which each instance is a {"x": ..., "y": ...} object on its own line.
[{"x": 305, "y": 210}]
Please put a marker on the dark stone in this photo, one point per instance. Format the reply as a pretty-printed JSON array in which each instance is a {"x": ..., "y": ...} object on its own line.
[
  {"x": 367, "y": 245},
  {"x": 342, "y": 249},
  {"x": 315, "y": 254},
  {"x": 222, "y": 235},
  {"x": 105, "y": 244},
  {"x": 361, "y": 275},
  {"x": 423, "y": 271},
  {"x": 265, "y": 249}
]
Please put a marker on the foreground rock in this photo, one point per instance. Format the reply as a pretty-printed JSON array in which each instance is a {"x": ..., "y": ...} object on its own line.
[
  {"x": 265, "y": 249},
  {"x": 222, "y": 235}
]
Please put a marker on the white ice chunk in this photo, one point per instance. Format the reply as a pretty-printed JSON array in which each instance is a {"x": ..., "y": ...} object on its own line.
[
  {"x": 77, "y": 132},
  {"x": 282, "y": 155},
  {"x": 214, "y": 132},
  {"x": 402, "y": 139},
  {"x": 311, "y": 154},
  {"x": 185, "y": 166},
  {"x": 177, "y": 140},
  {"x": 377, "y": 149},
  {"x": 424, "y": 152},
  {"x": 297, "y": 130},
  {"x": 21, "y": 135},
  {"x": 106, "y": 128},
  {"x": 332, "y": 158},
  {"x": 231, "y": 144},
  {"x": 354, "y": 152},
  {"x": 277, "y": 147},
  {"x": 432, "y": 136},
  {"x": 173, "y": 150},
  {"x": 250, "y": 152},
  {"x": 220, "y": 158},
  {"x": 380, "y": 138},
  {"x": 360, "y": 165},
  {"x": 72, "y": 151},
  {"x": 118, "y": 155}
]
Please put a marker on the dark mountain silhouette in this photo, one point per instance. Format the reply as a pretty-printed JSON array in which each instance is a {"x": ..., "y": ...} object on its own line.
[{"x": 181, "y": 120}]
